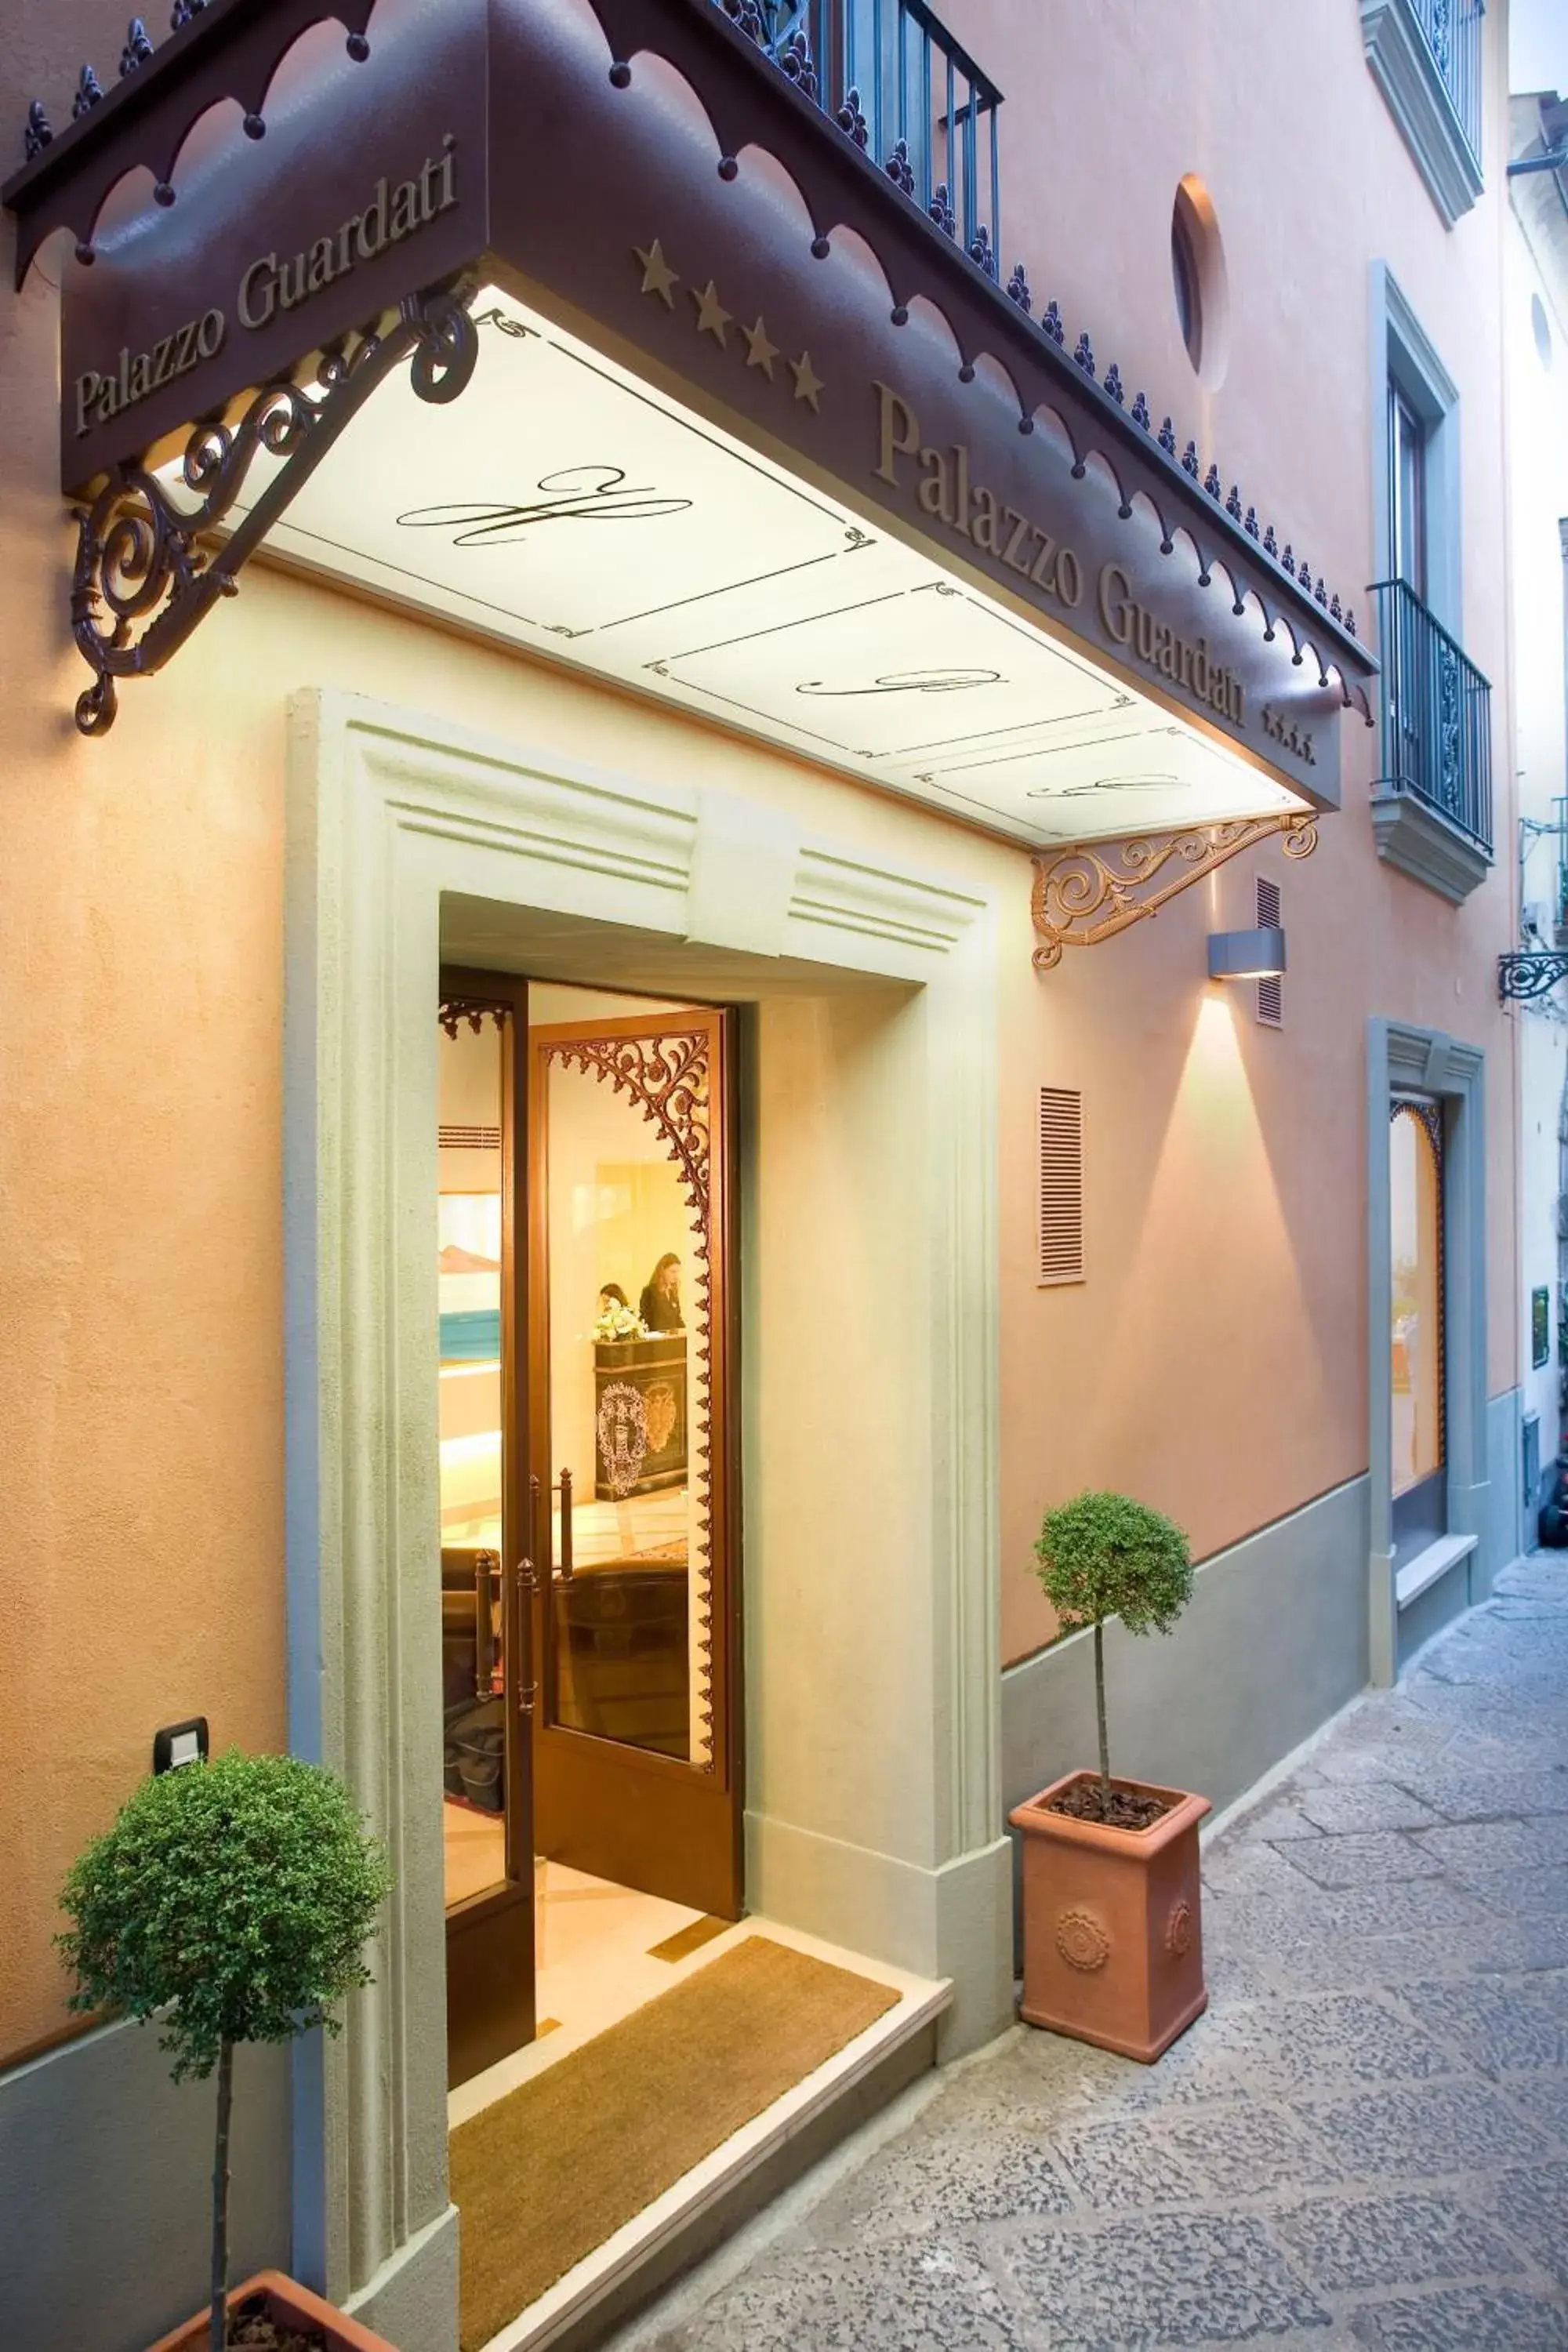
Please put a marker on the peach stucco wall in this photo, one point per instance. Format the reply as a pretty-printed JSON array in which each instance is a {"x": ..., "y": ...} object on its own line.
[{"x": 1215, "y": 1359}]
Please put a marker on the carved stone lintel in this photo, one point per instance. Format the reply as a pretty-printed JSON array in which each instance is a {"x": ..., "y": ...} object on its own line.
[
  {"x": 1085, "y": 894},
  {"x": 143, "y": 580}
]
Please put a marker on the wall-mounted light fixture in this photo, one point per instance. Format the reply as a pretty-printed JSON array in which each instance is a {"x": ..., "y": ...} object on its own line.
[{"x": 1246, "y": 955}]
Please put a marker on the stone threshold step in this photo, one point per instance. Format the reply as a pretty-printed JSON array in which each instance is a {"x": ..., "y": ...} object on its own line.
[
  {"x": 1418, "y": 1575},
  {"x": 752, "y": 2167}
]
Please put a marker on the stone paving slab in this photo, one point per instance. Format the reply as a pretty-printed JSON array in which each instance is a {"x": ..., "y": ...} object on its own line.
[{"x": 1362, "y": 2146}]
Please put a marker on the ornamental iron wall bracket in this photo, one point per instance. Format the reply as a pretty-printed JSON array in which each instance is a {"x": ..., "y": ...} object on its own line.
[
  {"x": 1528, "y": 972},
  {"x": 1082, "y": 896},
  {"x": 143, "y": 580}
]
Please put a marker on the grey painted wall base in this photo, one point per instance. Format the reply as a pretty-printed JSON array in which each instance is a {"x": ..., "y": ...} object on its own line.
[
  {"x": 1432, "y": 1610},
  {"x": 413, "y": 2299},
  {"x": 1493, "y": 1510},
  {"x": 106, "y": 2188},
  {"x": 1273, "y": 1644},
  {"x": 1502, "y": 1524}
]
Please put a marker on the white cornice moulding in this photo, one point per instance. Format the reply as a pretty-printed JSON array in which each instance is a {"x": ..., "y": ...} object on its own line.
[{"x": 1405, "y": 69}]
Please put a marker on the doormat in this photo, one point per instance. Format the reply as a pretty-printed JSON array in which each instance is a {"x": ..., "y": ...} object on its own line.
[{"x": 562, "y": 2163}]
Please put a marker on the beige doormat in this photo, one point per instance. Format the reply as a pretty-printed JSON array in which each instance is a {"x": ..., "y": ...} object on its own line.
[{"x": 554, "y": 2169}]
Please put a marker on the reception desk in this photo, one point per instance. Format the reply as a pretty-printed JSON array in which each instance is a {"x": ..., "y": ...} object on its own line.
[{"x": 639, "y": 1415}]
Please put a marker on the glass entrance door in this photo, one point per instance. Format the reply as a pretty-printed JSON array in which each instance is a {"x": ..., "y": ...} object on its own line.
[
  {"x": 1417, "y": 1374},
  {"x": 635, "y": 1739},
  {"x": 487, "y": 1577}
]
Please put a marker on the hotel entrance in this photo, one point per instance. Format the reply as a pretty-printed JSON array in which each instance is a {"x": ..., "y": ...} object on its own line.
[{"x": 590, "y": 1798}]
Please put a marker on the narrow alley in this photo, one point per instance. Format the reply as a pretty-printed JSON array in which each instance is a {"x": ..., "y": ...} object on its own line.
[{"x": 1364, "y": 2142}]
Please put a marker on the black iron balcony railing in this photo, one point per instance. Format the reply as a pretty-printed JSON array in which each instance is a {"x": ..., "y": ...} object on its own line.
[
  {"x": 1436, "y": 716},
  {"x": 896, "y": 80},
  {"x": 1453, "y": 33}
]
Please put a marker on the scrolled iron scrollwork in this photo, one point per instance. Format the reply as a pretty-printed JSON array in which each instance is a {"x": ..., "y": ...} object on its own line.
[
  {"x": 1526, "y": 974},
  {"x": 144, "y": 579},
  {"x": 1088, "y": 894}
]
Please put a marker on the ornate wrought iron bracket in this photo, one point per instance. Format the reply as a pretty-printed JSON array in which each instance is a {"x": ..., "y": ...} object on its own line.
[
  {"x": 144, "y": 580},
  {"x": 1083, "y": 896},
  {"x": 1528, "y": 972}
]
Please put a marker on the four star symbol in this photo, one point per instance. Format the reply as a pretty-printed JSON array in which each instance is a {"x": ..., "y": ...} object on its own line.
[
  {"x": 807, "y": 383},
  {"x": 658, "y": 278},
  {"x": 760, "y": 352},
  {"x": 712, "y": 316}
]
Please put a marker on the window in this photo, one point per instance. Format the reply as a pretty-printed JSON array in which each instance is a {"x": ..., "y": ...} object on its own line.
[
  {"x": 1415, "y": 1304},
  {"x": 1432, "y": 802},
  {"x": 1425, "y": 57},
  {"x": 1407, "y": 433},
  {"x": 1199, "y": 282},
  {"x": 1185, "y": 279}
]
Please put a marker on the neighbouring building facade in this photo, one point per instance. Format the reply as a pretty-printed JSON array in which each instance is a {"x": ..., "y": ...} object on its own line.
[
  {"x": 596, "y": 1119},
  {"x": 1536, "y": 294}
]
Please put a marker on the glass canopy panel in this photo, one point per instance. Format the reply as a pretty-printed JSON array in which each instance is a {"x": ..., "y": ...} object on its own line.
[{"x": 623, "y": 534}]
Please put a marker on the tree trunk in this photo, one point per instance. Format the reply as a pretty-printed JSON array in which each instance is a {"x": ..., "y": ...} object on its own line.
[
  {"x": 219, "y": 2319},
  {"x": 1104, "y": 1742}
]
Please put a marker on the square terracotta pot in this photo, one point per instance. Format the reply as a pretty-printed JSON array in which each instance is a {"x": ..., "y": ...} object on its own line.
[
  {"x": 293, "y": 2306},
  {"x": 1113, "y": 1945}
]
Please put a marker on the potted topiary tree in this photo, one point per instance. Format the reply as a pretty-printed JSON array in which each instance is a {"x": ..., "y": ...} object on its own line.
[
  {"x": 1112, "y": 1939},
  {"x": 231, "y": 1900}
]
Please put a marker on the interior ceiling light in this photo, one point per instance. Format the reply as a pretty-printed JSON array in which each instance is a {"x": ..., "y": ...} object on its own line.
[{"x": 569, "y": 507}]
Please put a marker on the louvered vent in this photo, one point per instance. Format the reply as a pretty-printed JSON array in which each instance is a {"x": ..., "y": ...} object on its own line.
[
  {"x": 1061, "y": 1184},
  {"x": 1271, "y": 992}
]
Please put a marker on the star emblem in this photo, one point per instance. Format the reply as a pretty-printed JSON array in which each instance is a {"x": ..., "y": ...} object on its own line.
[
  {"x": 712, "y": 316},
  {"x": 658, "y": 277},
  {"x": 807, "y": 383},
  {"x": 760, "y": 352}
]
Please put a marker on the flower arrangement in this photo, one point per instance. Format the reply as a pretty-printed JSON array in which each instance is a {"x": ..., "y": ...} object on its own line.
[{"x": 616, "y": 1321}]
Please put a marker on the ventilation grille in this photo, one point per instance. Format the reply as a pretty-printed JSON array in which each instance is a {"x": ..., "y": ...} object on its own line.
[
  {"x": 1061, "y": 1184},
  {"x": 1270, "y": 992},
  {"x": 469, "y": 1138}
]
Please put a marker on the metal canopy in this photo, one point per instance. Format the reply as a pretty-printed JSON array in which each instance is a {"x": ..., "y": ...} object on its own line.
[{"x": 282, "y": 205}]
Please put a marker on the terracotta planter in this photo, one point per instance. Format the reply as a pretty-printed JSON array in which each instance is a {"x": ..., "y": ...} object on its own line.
[
  {"x": 293, "y": 2306},
  {"x": 1113, "y": 1933}
]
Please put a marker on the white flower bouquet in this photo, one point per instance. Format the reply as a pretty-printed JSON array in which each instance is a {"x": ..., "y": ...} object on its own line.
[{"x": 618, "y": 1322}]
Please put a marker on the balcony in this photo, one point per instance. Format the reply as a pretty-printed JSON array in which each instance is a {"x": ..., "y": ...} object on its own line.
[
  {"x": 1425, "y": 57},
  {"x": 1432, "y": 804},
  {"x": 893, "y": 76}
]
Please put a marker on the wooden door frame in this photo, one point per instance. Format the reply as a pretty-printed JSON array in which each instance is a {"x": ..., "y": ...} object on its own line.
[
  {"x": 491, "y": 2006},
  {"x": 719, "y": 1877}
]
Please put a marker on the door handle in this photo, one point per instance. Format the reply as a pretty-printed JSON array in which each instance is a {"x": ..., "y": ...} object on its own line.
[
  {"x": 527, "y": 1585},
  {"x": 486, "y": 1661},
  {"x": 566, "y": 1527}
]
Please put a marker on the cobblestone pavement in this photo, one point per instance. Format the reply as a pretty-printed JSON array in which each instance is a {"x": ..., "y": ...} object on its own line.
[{"x": 1362, "y": 2144}]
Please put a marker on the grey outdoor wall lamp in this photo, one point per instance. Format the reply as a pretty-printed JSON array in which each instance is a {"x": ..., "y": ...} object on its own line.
[{"x": 1246, "y": 955}]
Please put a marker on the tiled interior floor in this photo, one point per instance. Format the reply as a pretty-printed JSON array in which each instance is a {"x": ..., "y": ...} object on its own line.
[
  {"x": 1362, "y": 2147},
  {"x": 641, "y": 1525}
]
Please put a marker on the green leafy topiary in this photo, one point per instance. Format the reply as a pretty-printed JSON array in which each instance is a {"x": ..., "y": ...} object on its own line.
[
  {"x": 1106, "y": 1556},
  {"x": 232, "y": 1900}
]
